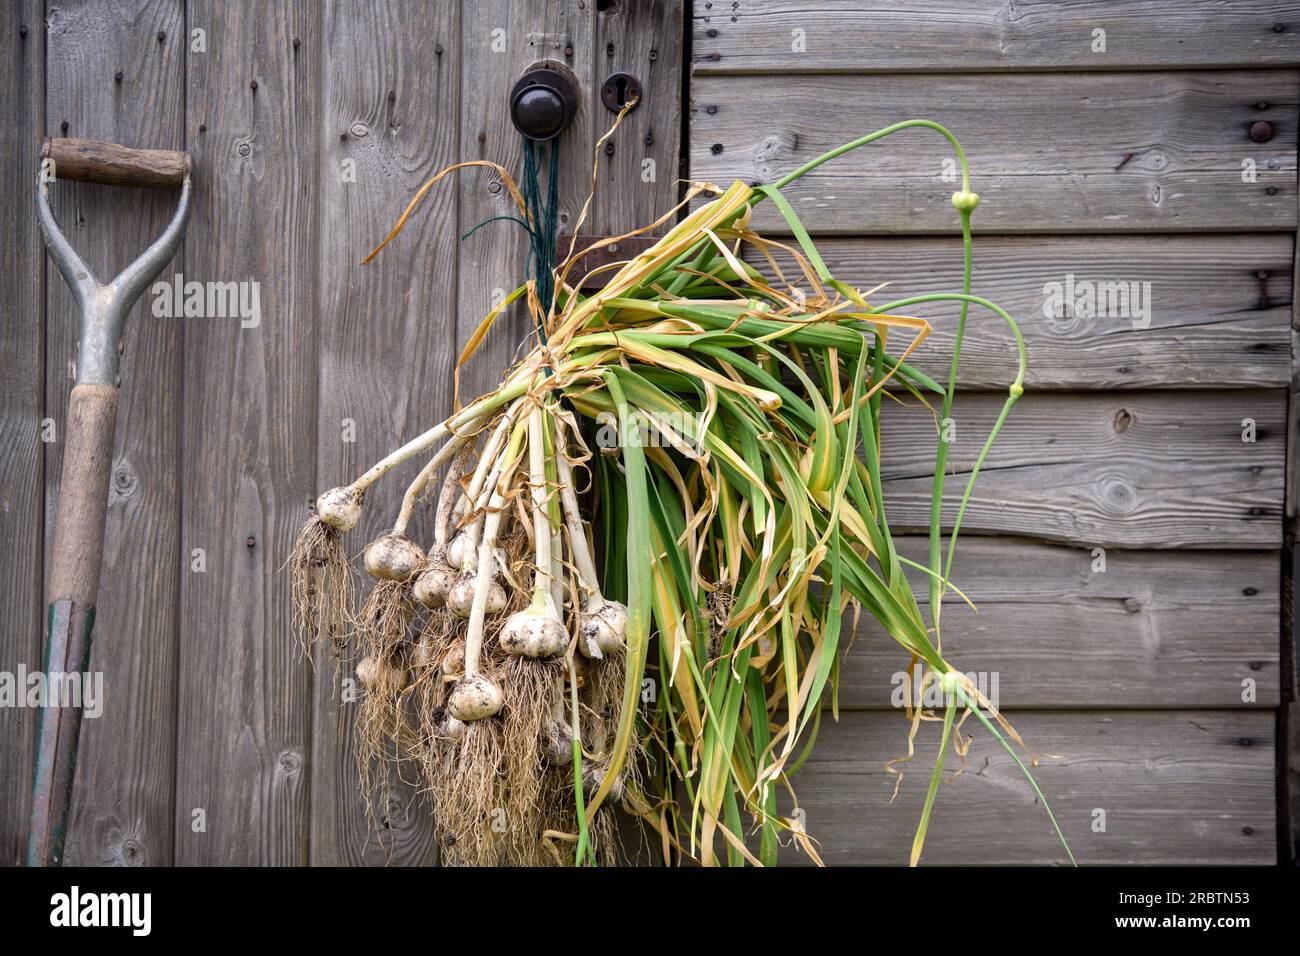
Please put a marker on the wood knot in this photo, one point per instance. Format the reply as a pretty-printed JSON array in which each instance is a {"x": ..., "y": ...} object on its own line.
[
  {"x": 124, "y": 480},
  {"x": 290, "y": 762},
  {"x": 1123, "y": 419},
  {"x": 1118, "y": 495},
  {"x": 132, "y": 853}
]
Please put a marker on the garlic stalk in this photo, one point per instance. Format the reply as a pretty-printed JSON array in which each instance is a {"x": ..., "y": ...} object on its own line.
[{"x": 537, "y": 630}]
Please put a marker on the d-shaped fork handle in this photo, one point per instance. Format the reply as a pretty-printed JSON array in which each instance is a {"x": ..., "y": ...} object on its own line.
[{"x": 87, "y": 454}]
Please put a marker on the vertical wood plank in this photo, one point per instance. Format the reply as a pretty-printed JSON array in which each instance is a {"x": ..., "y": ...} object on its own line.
[
  {"x": 390, "y": 118},
  {"x": 638, "y": 180},
  {"x": 249, "y": 435},
  {"x": 22, "y": 74},
  {"x": 1289, "y": 712},
  {"x": 116, "y": 72},
  {"x": 501, "y": 40}
]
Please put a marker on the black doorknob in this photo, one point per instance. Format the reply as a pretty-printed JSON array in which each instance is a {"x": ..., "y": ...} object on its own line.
[{"x": 543, "y": 103}]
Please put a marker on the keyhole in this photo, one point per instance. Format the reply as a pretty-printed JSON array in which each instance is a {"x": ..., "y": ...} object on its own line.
[{"x": 620, "y": 89}]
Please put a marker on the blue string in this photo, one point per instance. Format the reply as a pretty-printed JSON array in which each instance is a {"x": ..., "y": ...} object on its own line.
[
  {"x": 542, "y": 234},
  {"x": 545, "y": 215}
]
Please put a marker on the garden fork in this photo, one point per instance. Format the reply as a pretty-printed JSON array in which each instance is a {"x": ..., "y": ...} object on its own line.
[{"x": 88, "y": 453}]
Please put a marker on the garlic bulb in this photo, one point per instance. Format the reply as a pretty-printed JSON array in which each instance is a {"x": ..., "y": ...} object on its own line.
[
  {"x": 593, "y": 776},
  {"x": 377, "y": 676},
  {"x": 451, "y": 728},
  {"x": 474, "y": 698},
  {"x": 557, "y": 743},
  {"x": 453, "y": 664},
  {"x": 460, "y": 551},
  {"x": 422, "y": 654},
  {"x": 340, "y": 508},
  {"x": 434, "y": 585},
  {"x": 460, "y": 599},
  {"x": 602, "y": 627},
  {"x": 536, "y": 631},
  {"x": 394, "y": 557}
]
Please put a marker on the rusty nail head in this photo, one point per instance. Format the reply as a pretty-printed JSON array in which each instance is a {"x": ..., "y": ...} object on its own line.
[{"x": 1261, "y": 131}]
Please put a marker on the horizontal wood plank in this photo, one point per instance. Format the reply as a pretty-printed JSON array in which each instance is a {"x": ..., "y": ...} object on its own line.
[
  {"x": 1064, "y": 153},
  {"x": 848, "y": 36},
  {"x": 1059, "y": 628},
  {"x": 1188, "y": 311},
  {"x": 1136, "y": 470},
  {"x": 1175, "y": 787}
]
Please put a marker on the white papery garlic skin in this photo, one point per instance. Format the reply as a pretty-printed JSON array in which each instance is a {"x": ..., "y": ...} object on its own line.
[
  {"x": 460, "y": 599},
  {"x": 394, "y": 557},
  {"x": 474, "y": 698},
  {"x": 602, "y": 627},
  {"x": 340, "y": 508},
  {"x": 536, "y": 631}
]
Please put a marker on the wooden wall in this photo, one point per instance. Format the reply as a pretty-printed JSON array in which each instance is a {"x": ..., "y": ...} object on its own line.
[
  {"x": 311, "y": 123},
  {"x": 1133, "y": 165}
]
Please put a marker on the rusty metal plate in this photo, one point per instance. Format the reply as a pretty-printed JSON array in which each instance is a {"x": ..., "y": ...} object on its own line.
[{"x": 602, "y": 255}]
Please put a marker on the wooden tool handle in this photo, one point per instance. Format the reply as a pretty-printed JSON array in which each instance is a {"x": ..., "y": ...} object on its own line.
[
  {"x": 74, "y": 584},
  {"x": 83, "y": 495},
  {"x": 90, "y": 161}
]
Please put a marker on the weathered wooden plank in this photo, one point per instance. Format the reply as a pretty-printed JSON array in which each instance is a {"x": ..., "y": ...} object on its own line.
[
  {"x": 122, "y": 809},
  {"x": 22, "y": 329},
  {"x": 390, "y": 117},
  {"x": 1154, "y": 629},
  {"x": 1114, "y": 152},
  {"x": 639, "y": 172},
  {"x": 1135, "y": 470},
  {"x": 1176, "y": 787},
  {"x": 1289, "y": 718},
  {"x": 638, "y": 181},
  {"x": 1171, "y": 311},
  {"x": 249, "y": 425},
  {"x": 500, "y": 41},
  {"x": 1289, "y": 713},
  {"x": 846, "y": 36}
]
